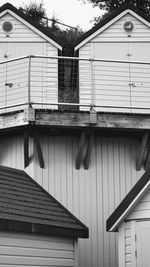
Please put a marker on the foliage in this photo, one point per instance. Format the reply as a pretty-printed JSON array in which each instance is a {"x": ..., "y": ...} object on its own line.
[
  {"x": 67, "y": 37},
  {"x": 109, "y": 5},
  {"x": 34, "y": 11}
]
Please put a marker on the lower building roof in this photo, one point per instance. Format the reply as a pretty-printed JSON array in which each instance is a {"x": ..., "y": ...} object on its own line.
[
  {"x": 129, "y": 202},
  {"x": 26, "y": 206}
]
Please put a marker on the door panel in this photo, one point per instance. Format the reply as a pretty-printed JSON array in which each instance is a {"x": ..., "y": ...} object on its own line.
[
  {"x": 140, "y": 75},
  {"x": 111, "y": 79},
  {"x": 143, "y": 243},
  {"x": 15, "y": 85}
]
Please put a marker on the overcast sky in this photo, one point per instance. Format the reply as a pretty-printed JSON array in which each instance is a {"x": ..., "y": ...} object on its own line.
[{"x": 72, "y": 12}]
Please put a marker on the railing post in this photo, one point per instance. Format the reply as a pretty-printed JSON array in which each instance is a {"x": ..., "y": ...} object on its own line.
[{"x": 29, "y": 82}]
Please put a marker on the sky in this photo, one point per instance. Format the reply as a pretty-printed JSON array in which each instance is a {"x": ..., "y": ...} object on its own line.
[{"x": 71, "y": 12}]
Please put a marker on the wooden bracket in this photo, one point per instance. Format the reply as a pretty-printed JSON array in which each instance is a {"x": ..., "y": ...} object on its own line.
[
  {"x": 89, "y": 151},
  {"x": 142, "y": 151},
  {"x": 80, "y": 150},
  {"x": 84, "y": 150},
  {"x": 36, "y": 138},
  {"x": 147, "y": 158},
  {"x": 39, "y": 150},
  {"x": 26, "y": 149}
]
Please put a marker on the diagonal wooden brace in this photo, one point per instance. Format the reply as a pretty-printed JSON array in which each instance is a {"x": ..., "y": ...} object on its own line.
[{"x": 142, "y": 151}]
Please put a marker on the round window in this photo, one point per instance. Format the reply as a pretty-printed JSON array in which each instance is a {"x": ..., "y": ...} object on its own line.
[
  {"x": 7, "y": 26},
  {"x": 128, "y": 26}
]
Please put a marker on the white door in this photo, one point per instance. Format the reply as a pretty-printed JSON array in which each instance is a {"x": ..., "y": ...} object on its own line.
[
  {"x": 123, "y": 84},
  {"x": 143, "y": 243},
  {"x": 140, "y": 76},
  {"x": 111, "y": 79},
  {"x": 16, "y": 73}
]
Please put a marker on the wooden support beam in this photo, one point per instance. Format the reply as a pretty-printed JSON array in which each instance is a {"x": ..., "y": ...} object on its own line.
[
  {"x": 147, "y": 158},
  {"x": 79, "y": 157},
  {"x": 26, "y": 149},
  {"x": 142, "y": 151},
  {"x": 39, "y": 150},
  {"x": 89, "y": 151}
]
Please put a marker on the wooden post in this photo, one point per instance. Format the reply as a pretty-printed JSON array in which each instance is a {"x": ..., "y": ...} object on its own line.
[
  {"x": 89, "y": 151},
  {"x": 39, "y": 150},
  {"x": 142, "y": 151},
  {"x": 80, "y": 150},
  {"x": 26, "y": 149}
]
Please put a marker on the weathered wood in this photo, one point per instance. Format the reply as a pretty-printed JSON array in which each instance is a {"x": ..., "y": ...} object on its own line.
[
  {"x": 39, "y": 150},
  {"x": 88, "y": 152},
  {"x": 142, "y": 151},
  {"x": 79, "y": 157},
  {"x": 76, "y": 120},
  {"x": 26, "y": 149}
]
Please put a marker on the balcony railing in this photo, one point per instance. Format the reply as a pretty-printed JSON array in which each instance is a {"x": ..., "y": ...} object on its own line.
[{"x": 71, "y": 83}]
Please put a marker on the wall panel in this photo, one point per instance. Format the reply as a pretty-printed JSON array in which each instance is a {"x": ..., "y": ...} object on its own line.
[{"x": 92, "y": 194}]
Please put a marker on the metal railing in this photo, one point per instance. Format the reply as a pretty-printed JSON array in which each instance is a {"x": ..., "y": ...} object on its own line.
[{"x": 75, "y": 84}]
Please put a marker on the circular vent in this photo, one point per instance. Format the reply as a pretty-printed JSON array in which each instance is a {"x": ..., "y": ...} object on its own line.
[
  {"x": 7, "y": 26},
  {"x": 128, "y": 26}
]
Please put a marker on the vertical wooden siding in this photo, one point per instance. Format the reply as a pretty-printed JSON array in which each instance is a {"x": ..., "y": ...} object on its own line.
[{"x": 92, "y": 194}]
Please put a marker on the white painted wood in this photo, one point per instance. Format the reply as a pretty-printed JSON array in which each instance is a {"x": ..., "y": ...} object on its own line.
[
  {"x": 143, "y": 243},
  {"x": 121, "y": 245},
  {"x": 91, "y": 195},
  {"x": 127, "y": 14},
  {"x": 18, "y": 20},
  {"x": 117, "y": 85},
  {"x": 142, "y": 209},
  {"x": 25, "y": 41},
  {"x": 126, "y": 244},
  {"x": 34, "y": 250}
]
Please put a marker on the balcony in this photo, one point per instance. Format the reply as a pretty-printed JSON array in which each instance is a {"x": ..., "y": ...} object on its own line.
[{"x": 75, "y": 84}]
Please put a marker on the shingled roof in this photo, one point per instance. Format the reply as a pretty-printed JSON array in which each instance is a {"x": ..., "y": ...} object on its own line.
[
  {"x": 26, "y": 206},
  {"x": 37, "y": 26},
  {"x": 107, "y": 20}
]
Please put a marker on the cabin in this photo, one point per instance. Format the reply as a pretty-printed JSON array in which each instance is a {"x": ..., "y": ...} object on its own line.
[
  {"x": 24, "y": 77},
  {"x": 35, "y": 229},
  {"x": 114, "y": 63},
  {"x": 131, "y": 220},
  {"x": 87, "y": 159}
]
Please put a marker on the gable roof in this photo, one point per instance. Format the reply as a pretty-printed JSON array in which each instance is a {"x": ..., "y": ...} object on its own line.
[
  {"x": 129, "y": 202},
  {"x": 26, "y": 206},
  {"x": 41, "y": 30},
  {"x": 109, "y": 20}
]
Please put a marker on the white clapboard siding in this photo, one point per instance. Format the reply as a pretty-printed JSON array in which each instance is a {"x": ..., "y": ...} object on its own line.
[
  {"x": 21, "y": 32},
  {"x": 142, "y": 209},
  {"x": 117, "y": 87},
  {"x": 33, "y": 250},
  {"x": 127, "y": 244},
  {"x": 91, "y": 195},
  {"x": 116, "y": 33},
  {"x": 24, "y": 41}
]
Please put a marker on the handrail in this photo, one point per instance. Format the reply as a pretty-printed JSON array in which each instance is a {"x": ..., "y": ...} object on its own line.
[{"x": 77, "y": 58}]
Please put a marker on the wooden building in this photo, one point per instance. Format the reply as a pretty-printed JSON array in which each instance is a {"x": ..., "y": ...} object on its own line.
[
  {"x": 114, "y": 78},
  {"x": 132, "y": 221},
  {"x": 20, "y": 38},
  {"x": 35, "y": 229},
  {"x": 87, "y": 160}
]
